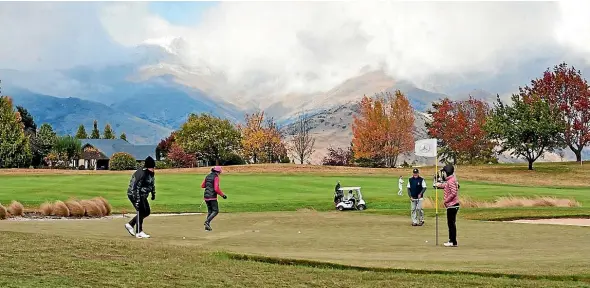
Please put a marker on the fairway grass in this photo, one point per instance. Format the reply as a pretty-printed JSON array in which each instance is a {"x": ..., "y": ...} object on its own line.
[
  {"x": 100, "y": 253},
  {"x": 259, "y": 192}
]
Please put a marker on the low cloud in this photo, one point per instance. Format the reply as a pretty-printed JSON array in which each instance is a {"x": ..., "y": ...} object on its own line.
[{"x": 274, "y": 48}]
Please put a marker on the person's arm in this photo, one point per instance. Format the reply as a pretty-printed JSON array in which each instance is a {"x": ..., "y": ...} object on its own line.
[
  {"x": 203, "y": 184},
  {"x": 153, "y": 188},
  {"x": 409, "y": 190},
  {"x": 217, "y": 189},
  {"x": 423, "y": 189}
]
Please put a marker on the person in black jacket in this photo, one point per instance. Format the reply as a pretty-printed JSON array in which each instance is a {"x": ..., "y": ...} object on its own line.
[
  {"x": 141, "y": 185},
  {"x": 416, "y": 189}
]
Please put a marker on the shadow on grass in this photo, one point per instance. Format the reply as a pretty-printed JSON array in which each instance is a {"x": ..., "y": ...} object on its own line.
[{"x": 328, "y": 265}]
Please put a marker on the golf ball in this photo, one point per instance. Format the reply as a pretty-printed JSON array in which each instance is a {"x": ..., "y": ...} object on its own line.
[
  {"x": 426, "y": 241},
  {"x": 183, "y": 237},
  {"x": 299, "y": 232}
]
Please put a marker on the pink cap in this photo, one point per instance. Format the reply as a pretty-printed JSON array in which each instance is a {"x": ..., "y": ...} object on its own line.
[{"x": 217, "y": 168}]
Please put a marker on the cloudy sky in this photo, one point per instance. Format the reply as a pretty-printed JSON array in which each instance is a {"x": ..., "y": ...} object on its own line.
[{"x": 300, "y": 46}]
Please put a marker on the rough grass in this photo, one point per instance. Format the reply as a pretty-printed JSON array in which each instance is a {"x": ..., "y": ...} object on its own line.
[
  {"x": 76, "y": 209},
  {"x": 3, "y": 212},
  {"x": 60, "y": 209},
  {"x": 16, "y": 209},
  {"x": 508, "y": 201},
  {"x": 91, "y": 209},
  {"x": 46, "y": 209}
]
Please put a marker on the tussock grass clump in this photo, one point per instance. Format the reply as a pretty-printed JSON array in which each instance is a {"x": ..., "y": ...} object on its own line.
[
  {"x": 60, "y": 209},
  {"x": 3, "y": 212},
  {"x": 107, "y": 205},
  {"x": 76, "y": 209},
  {"x": 507, "y": 202},
  {"x": 91, "y": 209},
  {"x": 16, "y": 209},
  {"x": 46, "y": 209},
  {"x": 101, "y": 205}
]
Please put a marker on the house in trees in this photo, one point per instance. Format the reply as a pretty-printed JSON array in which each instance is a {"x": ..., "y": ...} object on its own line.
[{"x": 96, "y": 153}]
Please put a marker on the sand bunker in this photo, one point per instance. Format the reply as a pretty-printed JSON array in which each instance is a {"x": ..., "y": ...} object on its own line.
[
  {"x": 561, "y": 221},
  {"x": 30, "y": 217}
]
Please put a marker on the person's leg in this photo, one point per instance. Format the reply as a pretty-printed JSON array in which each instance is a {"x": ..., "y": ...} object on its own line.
[
  {"x": 413, "y": 206},
  {"x": 451, "y": 219},
  {"x": 134, "y": 220},
  {"x": 144, "y": 213},
  {"x": 214, "y": 210},
  {"x": 420, "y": 211}
]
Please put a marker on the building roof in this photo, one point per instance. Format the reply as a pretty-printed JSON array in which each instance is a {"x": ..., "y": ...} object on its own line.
[{"x": 108, "y": 147}]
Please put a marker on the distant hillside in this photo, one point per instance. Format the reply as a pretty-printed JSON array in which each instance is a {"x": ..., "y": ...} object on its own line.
[{"x": 66, "y": 114}]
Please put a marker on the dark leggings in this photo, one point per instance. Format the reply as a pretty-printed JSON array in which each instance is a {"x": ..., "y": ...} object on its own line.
[
  {"x": 451, "y": 220},
  {"x": 143, "y": 212},
  {"x": 212, "y": 210}
]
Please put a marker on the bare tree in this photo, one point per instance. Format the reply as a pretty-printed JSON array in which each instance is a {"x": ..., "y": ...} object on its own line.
[{"x": 302, "y": 142}]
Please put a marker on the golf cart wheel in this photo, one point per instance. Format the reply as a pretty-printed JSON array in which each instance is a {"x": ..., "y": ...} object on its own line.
[
  {"x": 340, "y": 208},
  {"x": 362, "y": 207}
]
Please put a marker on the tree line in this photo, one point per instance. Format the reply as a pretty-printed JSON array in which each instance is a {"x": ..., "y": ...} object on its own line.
[
  {"x": 550, "y": 114},
  {"x": 23, "y": 144},
  {"x": 219, "y": 141}
]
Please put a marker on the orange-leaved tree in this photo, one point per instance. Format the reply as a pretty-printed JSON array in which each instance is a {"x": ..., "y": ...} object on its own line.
[
  {"x": 383, "y": 129},
  {"x": 262, "y": 140}
]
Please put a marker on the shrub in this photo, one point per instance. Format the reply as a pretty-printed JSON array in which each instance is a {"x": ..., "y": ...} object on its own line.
[
  {"x": 163, "y": 164},
  {"x": 234, "y": 159},
  {"x": 81, "y": 167},
  {"x": 46, "y": 209},
  {"x": 122, "y": 161},
  {"x": 91, "y": 209},
  {"x": 179, "y": 158},
  {"x": 3, "y": 212},
  {"x": 16, "y": 209},
  {"x": 75, "y": 208},
  {"x": 107, "y": 206},
  {"x": 60, "y": 209}
]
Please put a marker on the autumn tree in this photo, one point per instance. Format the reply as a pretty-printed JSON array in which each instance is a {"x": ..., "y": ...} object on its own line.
[
  {"x": 108, "y": 132},
  {"x": 302, "y": 141},
  {"x": 211, "y": 138},
  {"x": 459, "y": 127},
  {"x": 262, "y": 140},
  {"x": 95, "y": 134},
  {"x": 15, "y": 151},
  {"x": 180, "y": 159},
  {"x": 338, "y": 157},
  {"x": 383, "y": 130},
  {"x": 565, "y": 89},
  {"x": 81, "y": 133},
  {"x": 527, "y": 128},
  {"x": 123, "y": 137},
  {"x": 165, "y": 145}
]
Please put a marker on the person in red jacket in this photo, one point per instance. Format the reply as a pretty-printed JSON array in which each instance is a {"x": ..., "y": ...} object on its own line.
[
  {"x": 211, "y": 186},
  {"x": 451, "y": 202}
]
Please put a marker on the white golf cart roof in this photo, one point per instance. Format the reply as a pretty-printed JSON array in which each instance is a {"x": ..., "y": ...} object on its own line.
[{"x": 349, "y": 188}]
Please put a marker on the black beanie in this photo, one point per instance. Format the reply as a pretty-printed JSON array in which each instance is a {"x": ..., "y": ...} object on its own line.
[{"x": 149, "y": 162}]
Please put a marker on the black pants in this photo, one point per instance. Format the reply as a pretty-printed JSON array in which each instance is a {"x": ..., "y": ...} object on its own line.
[
  {"x": 143, "y": 211},
  {"x": 451, "y": 220},
  {"x": 212, "y": 210}
]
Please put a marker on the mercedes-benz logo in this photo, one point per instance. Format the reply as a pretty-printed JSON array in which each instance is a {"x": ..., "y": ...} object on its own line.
[{"x": 424, "y": 148}]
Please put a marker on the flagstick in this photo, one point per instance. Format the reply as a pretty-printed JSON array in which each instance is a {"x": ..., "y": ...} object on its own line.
[{"x": 436, "y": 196}]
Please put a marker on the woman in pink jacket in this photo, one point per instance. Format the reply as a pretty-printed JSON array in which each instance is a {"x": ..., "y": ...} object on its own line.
[{"x": 451, "y": 202}]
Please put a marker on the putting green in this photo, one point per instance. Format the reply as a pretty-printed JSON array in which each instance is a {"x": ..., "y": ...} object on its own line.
[{"x": 354, "y": 238}]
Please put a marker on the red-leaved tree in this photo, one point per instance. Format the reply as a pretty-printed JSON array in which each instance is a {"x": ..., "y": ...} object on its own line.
[
  {"x": 165, "y": 145},
  {"x": 338, "y": 157},
  {"x": 180, "y": 159},
  {"x": 459, "y": 125},
  {"x": 566, "y": 90}
]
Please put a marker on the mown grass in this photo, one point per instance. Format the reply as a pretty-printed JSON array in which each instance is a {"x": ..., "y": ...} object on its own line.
[
  {"x": 259, "y": 192},
  {"x": 266, "y": 250}
]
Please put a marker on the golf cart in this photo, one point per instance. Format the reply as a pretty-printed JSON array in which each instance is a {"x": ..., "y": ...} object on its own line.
[{"x": 353, "y": 200}]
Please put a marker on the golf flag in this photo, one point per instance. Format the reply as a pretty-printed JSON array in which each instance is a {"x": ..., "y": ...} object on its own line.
[{"x": 426, "y": 147}]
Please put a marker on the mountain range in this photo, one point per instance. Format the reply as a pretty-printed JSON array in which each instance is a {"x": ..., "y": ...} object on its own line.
[{"x": 152, "y": 94}]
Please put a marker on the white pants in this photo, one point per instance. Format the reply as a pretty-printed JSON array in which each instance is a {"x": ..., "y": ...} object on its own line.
[
  {"x": 417, "y": 212},
  {"x": 400, "y": 191}
]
